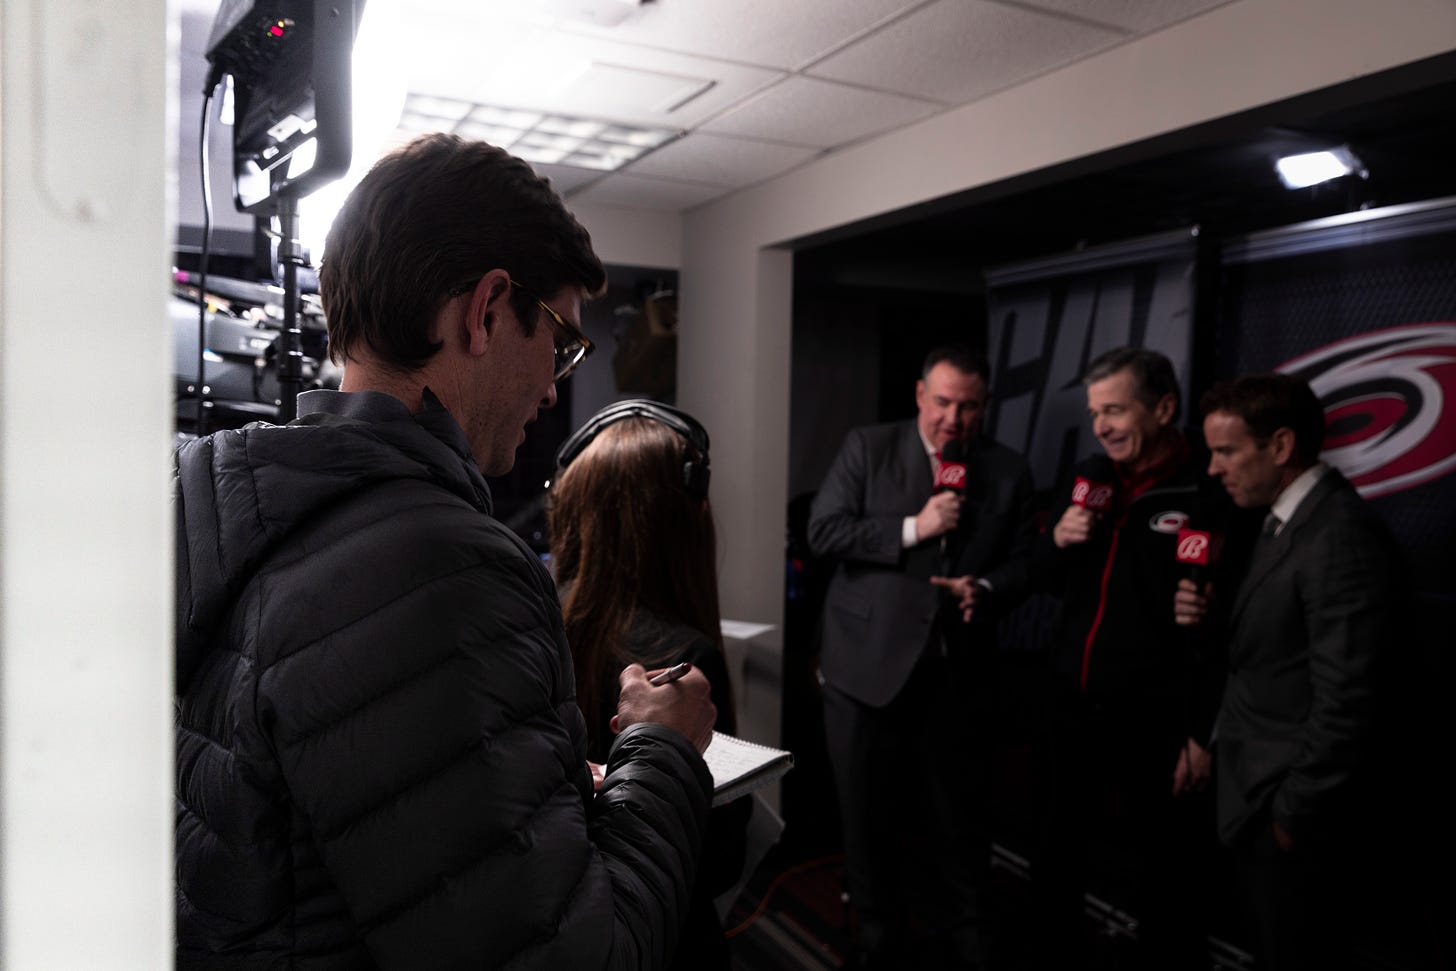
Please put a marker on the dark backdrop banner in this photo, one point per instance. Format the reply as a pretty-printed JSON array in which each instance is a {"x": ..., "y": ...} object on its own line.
[
  {"x": 1364, "y": 308},
  {"x": 1047, "y": 321},
  {"x": 1050, "y": 318}
]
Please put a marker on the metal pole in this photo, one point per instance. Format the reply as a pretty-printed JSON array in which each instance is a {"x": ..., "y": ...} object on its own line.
[{"x": 290, "y": 343}]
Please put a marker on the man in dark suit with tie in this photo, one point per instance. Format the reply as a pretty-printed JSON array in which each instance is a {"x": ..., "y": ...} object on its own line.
[
  {"x": 1305, "y": 627},
  {"x": 907, "y": 683}
]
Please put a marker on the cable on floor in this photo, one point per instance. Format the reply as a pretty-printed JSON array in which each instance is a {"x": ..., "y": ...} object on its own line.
[{"x": 773, "y": 886}]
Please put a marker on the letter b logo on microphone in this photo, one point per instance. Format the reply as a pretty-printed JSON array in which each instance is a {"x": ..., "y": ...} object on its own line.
[
  {"x": 950, "y": 476},
  {"x": 1192, "y": 546},
  {"x": 1096, "y": 496}
]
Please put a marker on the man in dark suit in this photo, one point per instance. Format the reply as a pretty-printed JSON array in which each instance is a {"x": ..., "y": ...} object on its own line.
[
  {"x": 907, "y": 683},
  {"x": 1295, "y": 728}
]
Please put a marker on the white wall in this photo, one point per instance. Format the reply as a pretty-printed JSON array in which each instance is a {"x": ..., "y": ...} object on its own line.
[
  {"x": 633, "y": 237},
  {"x": 736, "y": 290},
  {"x": 85, "y": 427}
]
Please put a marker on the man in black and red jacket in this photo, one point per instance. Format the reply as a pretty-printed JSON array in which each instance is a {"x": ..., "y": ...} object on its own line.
[{"x": 1132, "y": 695}]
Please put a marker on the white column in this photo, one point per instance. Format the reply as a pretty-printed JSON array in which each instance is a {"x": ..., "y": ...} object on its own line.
[{"x": 86, "y": 202}]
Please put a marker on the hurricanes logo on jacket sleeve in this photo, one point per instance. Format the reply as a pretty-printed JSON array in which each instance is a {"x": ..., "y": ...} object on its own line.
[{"x": 1390, "y": 404}]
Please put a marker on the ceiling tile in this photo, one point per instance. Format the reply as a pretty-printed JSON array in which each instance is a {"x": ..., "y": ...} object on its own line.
[
  {"x": 1137, "y": 15},
  {"x": 564, "y": 178},
  {"x": 721, "y": 160},
  {"x": 624, "y": 190},
  {"x": 769, "y": 33},
  {"x": 548, "y": 70},
  {"x": 631, "y": 87},
  {"x": 805, "y": 111},
  {"x": 959, "y": 50}
]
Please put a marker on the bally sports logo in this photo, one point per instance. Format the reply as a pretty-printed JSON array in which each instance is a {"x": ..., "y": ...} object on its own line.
[
  {"x": 950, "y": 475},
  {"x": 1193, "y": 546},
  {"x": 1096, "y": 496},
  {"x": 1390, "y": 405}
]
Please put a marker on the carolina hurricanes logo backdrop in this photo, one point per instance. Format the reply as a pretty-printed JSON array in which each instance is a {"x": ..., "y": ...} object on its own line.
[{"x": 1390, "y": 404}]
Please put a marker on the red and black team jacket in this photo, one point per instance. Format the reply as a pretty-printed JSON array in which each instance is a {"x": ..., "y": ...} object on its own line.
[{"x": 1114, "y": 635}]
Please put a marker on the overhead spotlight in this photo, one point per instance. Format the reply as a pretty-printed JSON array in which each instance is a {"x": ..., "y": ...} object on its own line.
[{"x": 1312, "y": 168}]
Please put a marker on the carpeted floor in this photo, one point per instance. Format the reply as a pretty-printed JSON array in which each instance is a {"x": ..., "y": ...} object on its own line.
[{"x": 792, "y": 915}]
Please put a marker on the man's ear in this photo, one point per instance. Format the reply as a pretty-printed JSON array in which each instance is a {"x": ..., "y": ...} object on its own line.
[
  {"x": 1281, "y": 444},
  {"x": 487, "y": 303},
  {"x": 1166, "y": 408}
]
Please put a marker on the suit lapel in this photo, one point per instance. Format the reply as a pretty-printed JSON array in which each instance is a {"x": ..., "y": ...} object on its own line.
[
  {"x": 1270, "y": 552},
  {"x": 914, "y": 465}
]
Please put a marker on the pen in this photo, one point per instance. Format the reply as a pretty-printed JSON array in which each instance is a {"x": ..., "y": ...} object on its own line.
[{"x": 671, "y": 674}]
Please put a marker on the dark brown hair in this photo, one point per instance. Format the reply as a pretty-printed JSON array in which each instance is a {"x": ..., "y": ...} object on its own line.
[
  {"x": 625, "y": 537},
  {"x": 962, "y": 357},
  {"x": 438, "y": 213},
  {"x": 1269, "y": 402}
]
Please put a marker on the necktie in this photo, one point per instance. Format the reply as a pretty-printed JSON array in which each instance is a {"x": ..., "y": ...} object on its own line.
[{"x": 1271, "y": 525}]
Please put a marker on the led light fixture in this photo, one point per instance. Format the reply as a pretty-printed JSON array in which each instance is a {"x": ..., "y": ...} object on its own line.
[{"x": 1312, "y": 168}]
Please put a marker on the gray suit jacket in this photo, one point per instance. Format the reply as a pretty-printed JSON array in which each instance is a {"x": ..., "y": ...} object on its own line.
[
  {"x": 880, "y": 606},
  {"x": 1306, "y": 626}
]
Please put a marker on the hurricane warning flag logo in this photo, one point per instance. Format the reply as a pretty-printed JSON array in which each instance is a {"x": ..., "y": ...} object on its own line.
[{"x": 1390, "y": 405}]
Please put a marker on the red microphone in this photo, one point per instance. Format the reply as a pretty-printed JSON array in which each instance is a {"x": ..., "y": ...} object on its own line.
[
  {"x": 1096, "y": 496},
  {"x": 950, "y": 477},
  {"x": 1198, "y": 549}
]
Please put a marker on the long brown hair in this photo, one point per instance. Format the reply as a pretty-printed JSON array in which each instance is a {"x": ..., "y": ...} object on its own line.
[{"x": 626, "y": 536}]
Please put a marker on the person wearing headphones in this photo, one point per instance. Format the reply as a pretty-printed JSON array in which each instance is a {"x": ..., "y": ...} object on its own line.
[{"x": 632, "y": 547}]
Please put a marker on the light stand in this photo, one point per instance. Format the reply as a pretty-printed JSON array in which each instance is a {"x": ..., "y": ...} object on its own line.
[
  {"x": 289, "y": 357},
  {"x": 291, "y": 64}
]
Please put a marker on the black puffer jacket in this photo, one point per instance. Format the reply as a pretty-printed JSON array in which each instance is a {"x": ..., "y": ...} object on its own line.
[{"x": 380, "y": 762}]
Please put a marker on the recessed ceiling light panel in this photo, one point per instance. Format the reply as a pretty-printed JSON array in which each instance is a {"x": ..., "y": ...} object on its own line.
[{"x": 555, "y": 139}]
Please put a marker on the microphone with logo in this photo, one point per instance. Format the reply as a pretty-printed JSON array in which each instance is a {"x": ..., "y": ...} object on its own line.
[
  {"x": 950, "y": 477},
  {"x": 1094, "y": 489},
  {"x": 1200, "y": 541},
  {"x": 1094, "y": 494},
  {"x": 1198, "y": 550},
  {"x": 1198, "y": 554}
]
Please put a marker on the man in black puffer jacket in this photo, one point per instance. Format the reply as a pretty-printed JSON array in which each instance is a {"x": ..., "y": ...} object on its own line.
[{"x": 380, "y": 760}]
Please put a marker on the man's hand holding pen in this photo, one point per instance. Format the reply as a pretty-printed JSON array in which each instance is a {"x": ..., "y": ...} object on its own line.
[{"x": 677, "y": 697}]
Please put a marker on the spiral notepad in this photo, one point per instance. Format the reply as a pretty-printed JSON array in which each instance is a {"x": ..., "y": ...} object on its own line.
[{"x": 740, "y": 766}]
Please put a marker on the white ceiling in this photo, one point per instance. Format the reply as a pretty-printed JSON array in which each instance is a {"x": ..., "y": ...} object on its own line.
[{"x": 781, "y": 82}]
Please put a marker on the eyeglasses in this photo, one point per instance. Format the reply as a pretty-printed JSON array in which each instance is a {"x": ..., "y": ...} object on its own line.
[{"x": 571, "y": 345}]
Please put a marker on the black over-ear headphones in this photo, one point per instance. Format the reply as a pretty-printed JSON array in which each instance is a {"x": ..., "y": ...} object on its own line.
[{"x": 696, "y": 470}]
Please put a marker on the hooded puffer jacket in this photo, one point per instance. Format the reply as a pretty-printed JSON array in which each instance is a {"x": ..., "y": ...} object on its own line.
[{"x": 380, "y": 761}]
